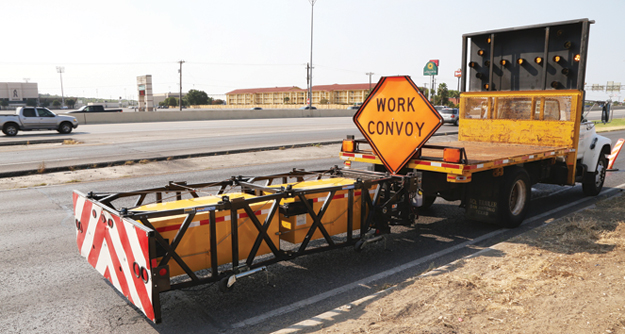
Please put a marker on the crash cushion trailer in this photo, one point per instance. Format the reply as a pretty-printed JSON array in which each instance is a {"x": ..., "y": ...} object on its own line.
[{"x": 150, "y": 241}]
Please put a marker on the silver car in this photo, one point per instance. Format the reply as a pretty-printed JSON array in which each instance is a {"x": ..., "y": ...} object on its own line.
[{"x": 450, "y": 115}]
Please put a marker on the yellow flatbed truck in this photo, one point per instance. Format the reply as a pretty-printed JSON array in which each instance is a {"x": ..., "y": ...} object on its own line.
[
  {"x": 150, "y": 241},
  {"x": 521, "y": 123}
]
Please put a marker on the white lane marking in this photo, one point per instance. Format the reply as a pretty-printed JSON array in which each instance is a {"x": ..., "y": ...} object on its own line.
[{"x": 334, "y": 292}]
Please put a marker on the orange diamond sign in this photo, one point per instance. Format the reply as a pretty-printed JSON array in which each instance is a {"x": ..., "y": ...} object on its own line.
[{"x": 397, "y": 120}]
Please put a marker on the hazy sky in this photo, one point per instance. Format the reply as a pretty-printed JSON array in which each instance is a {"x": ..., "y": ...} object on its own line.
[{"x": 105, "y": 45}]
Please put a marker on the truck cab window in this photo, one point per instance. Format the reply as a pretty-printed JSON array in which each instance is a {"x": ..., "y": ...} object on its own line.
[
  {"x": 45, "y": 113},
  {"x": 29, "y": 112},
  {"x": 477, "y": 107},
  {"x": 514, "y": 108}
]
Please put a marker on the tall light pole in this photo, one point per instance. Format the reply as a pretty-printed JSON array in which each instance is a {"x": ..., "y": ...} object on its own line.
[
  {"x": 369, "y": 74},
  {"x": 180, "y": 96},
  {"x": 61, "y": 70},
  {"x": 312, "y": 7}
]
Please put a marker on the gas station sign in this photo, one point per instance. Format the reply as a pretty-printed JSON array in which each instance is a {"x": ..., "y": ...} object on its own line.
[{"x": 397, "y": 120}]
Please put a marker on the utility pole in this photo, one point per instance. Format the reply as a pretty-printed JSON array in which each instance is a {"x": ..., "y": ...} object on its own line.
[
  {"x": 60, "y": 70},
  {"x": 312, "y": 7},
  {"x": 180, "y": 96},
  {"x": 308, "y": 79},
  {"x": 369, "y": 74}
]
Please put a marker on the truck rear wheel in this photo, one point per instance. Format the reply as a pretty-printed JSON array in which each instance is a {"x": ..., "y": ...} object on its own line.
[
  {"x": 594, "y": 186},
  {"x": 514, "y": 197},
  {"x": 10, "y": 129},
  {"x": 65, "y": 128}
]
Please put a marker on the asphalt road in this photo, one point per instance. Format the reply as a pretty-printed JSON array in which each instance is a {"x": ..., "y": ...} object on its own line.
[
  {"x": 136, "y": 141},
  {"x": 49, "y": 287}
]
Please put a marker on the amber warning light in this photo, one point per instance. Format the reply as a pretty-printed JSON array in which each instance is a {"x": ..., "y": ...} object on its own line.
[{"x": 396, "y": 119}]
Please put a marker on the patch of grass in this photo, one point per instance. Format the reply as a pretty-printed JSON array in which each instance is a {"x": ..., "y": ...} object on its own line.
[
  {"x": 615, "y": 122},
  {"x": 281, "y": 148},
  {"x": 73, "y": 181},
  {"x": 170, "y": 158},
  {"x": 42, "y": 167},
  {"x": 71, "y": 142},
  {"x": 71, "y": 168},
  {"x": 41, "y": 184},
  {"x": 144, "y": 161},
  {"x": 129, "y": 162}
]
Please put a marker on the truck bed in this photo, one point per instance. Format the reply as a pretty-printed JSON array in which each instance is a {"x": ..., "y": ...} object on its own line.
[
  {"x": 480, "y": 156},
  {"x": 483, "y": 152}
]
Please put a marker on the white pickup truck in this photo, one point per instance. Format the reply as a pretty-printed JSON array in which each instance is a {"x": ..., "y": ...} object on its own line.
[{"x": 36, "y": 118}]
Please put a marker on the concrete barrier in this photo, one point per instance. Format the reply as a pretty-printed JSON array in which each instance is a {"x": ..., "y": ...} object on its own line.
[{"x": 204, "y": 115}]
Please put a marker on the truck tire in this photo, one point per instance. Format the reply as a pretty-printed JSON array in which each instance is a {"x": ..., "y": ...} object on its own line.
[
  {"x": 10, "y": 129},
  {"x": 514, "y": 197},
  {"x": 593, "y": 187},
  {"x": 65, "y": 128}
]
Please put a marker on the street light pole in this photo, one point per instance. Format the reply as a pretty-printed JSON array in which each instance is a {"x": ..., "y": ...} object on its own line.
[
  {"x": 60, "y": 70},
  {"x": 180, "y": 96},
  {"x": 312, "y": 7},
  {"x": 369, "y": 74}
]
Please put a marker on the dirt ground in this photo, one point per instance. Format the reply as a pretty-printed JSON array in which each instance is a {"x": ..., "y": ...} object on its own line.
[{"x": 565, "y": 277}]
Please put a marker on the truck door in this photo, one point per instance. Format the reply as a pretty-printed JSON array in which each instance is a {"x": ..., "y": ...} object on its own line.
[
  {"x": 30, "y": 119},
  {"x": 47, "y": 119}
]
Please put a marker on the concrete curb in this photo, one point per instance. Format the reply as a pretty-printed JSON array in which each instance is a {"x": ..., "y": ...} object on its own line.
[{"x": 33, "y": 142}]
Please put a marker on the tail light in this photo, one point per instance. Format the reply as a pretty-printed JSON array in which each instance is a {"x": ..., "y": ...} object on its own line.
[
  {"x": 348, "y": 145},
  {"x": 451, "y": 155}
]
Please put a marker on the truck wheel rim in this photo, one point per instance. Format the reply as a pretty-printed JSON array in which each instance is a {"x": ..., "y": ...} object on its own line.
[
  {"x": 12, "y": 130},
  {"x": 600, "y": 173},
  {"x": 517, "y": 197}
]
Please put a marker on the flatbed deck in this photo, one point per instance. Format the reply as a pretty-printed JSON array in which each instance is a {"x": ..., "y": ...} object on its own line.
[{"x": 480, "y": 156}]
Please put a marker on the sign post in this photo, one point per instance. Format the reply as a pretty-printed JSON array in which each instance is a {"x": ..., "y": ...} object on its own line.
[
  {"x": 458, "y": 74},
  {"x": 431, "y": 69},
  {"x": 397, "y": 120}
]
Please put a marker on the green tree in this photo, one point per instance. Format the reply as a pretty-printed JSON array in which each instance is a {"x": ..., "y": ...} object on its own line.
[
  {"x": 286, "y": 100},
  {"x": 442, "y": 95},
  {"x": 197, "y": 97},
  {"x": 219, "y": 102},
  {"x": 56, "y": 103},
  {"x": 31, "y": 102},
  {"x": 70, "y": 103},
  {"x": 4, "y": 103},
  {"x": 171, "y": 101},
  {"x": 324, "y": 101}
]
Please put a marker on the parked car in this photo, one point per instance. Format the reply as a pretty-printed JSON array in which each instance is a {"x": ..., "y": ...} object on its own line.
[
  {"x": 450, "y": 115},
  {"x": 256, "y": 108},
  {"x": 307, "y": 107},
  {"x": 36, "y": 118}
]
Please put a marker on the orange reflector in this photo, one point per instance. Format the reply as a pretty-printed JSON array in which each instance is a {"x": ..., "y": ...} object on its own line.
[
  {"x": 451, "y": 155},
  {"x": 348, "y": 146}
]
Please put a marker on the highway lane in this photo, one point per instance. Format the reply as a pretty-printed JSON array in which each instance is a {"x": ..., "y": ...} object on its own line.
[
  {"x": 48, "y": 287},
  {"x": 135, "y": 141}
]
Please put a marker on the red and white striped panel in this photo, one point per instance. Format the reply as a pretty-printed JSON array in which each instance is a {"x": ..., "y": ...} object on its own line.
[
  {"x": 615, "y": 151},
  {"x": 117, "y": 249}
]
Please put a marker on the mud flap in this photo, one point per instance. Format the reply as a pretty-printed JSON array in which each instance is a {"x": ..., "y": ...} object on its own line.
[
  {"x": 481, "y": 201},
  {"x": 119, "y": 249}
]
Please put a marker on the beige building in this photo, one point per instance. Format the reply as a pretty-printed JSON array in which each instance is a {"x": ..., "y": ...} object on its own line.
[
  {"x": 323, "y": 94},
  {"x": 18, "y": 92}
]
